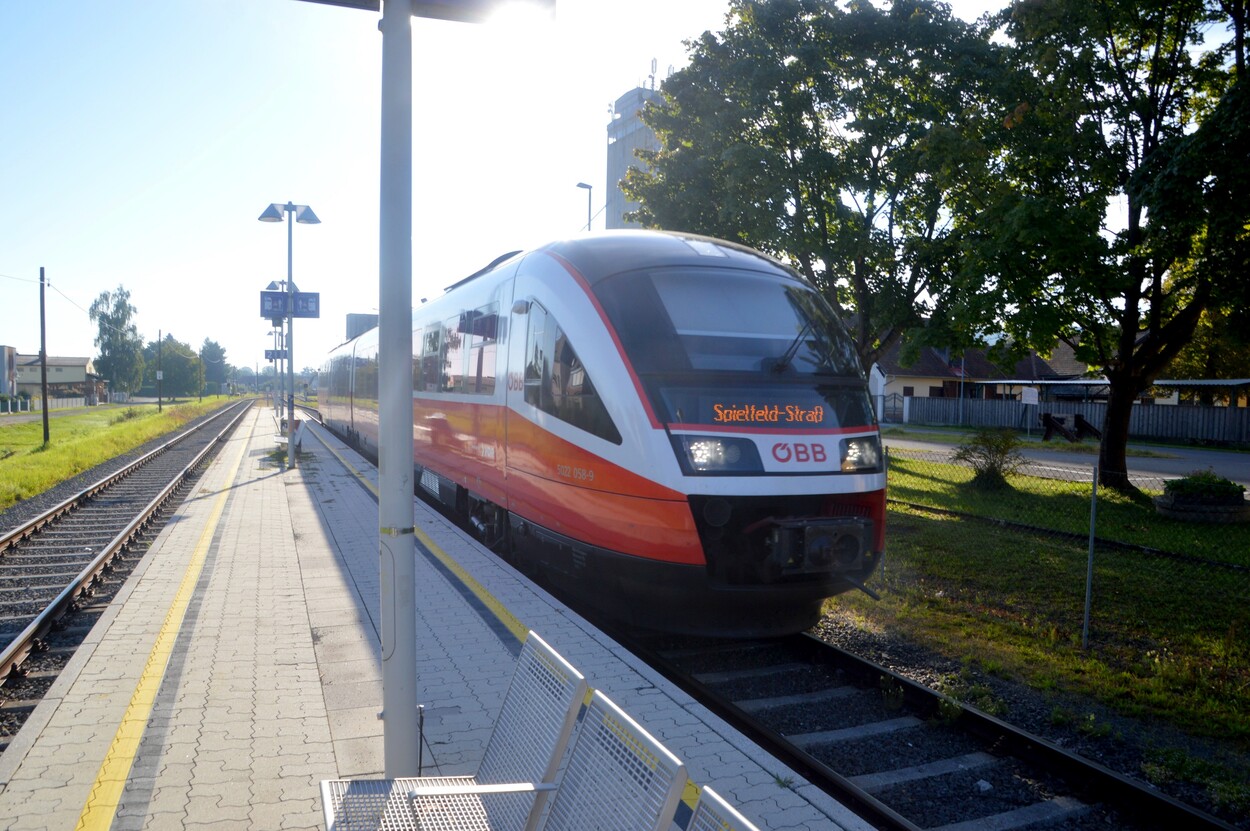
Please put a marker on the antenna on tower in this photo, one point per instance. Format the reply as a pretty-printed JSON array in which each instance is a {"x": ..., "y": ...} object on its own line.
[{"x": 652, "y": 75}]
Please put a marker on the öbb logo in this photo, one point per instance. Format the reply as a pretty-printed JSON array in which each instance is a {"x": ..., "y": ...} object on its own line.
[{"x": 785, "y": 452}]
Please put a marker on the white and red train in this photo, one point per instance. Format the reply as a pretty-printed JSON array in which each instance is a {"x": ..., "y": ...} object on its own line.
[{"x": 672, "y": 430}]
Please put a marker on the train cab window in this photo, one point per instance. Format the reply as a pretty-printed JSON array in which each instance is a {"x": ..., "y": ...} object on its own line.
[
  {"x": 557, "y": 383},
  {"x": 722, "y": 320},
  {"x": 731, "y": 348}
]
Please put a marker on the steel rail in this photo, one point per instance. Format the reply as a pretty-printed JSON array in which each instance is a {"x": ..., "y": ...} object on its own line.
[
  {"x": 69, "y": 504},
  {"x": 1088, "y": 778},
  {"x": 26, "y": 642}
]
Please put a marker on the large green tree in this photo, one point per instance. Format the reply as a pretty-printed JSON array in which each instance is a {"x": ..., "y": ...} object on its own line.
[
  {"x": 120, "y": 361},
  {"x": 836, "y": 139},
  {"x": 179, "y": 365},
  {"x": 1119, "y": 211},
  {"x": 216, "y": 370}
]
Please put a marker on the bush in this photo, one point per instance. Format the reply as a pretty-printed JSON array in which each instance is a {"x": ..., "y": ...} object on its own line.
[
  {"x": 993, "y": 455},
  {"x": 128, "y": 414},
  {"x": 1204, "y": 484}
]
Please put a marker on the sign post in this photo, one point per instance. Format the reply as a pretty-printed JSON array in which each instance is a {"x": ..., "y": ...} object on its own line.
[
  {"x": 1028, "y": 395},
  {"x": 287, "y": 305}
]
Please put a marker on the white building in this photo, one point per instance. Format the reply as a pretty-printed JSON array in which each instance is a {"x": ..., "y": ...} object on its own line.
[{"x": 626, "y": 134}]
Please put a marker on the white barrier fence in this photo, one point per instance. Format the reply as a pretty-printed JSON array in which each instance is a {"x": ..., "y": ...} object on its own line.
[{"x": 1218, "y": 424}]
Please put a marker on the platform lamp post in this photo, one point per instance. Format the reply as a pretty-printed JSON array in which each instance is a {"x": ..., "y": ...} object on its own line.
[
  {"x": 302, "y": 214},
  {"x": 589, "y": 189},
  {"x": 397, "y": 540}
]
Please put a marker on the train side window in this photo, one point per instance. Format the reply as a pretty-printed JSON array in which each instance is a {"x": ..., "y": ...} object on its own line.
[
  {"x": 557, "y": 383},
  {"x": 432, "y": 359},
  {"x": 479, "y": 328},
  {"x": 452, "y": 377}
]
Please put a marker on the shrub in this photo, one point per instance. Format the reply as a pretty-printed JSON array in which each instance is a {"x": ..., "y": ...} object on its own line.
[
  {"x": 128, "y": 414},
  {"x": 993, "y": 454},
  {"x": 1204, "y": 484}
]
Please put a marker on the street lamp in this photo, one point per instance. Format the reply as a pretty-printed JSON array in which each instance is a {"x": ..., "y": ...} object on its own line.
[
  {"x": 588, "y": 188},
  {"x": 302, "y": 214}
]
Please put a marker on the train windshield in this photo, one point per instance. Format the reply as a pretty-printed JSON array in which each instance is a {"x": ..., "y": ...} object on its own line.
[{"x": 738, "y": 348}]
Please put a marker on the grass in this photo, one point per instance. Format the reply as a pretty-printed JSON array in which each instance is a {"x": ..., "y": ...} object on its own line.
[
  {"x": 1064, "y": 506},
  {"x": 80, "y": 442}
]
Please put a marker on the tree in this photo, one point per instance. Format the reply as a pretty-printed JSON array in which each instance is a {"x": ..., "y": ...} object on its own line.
[
  {"x": 216, "y": 370},
  {"x": 1217, "y": 350},
  {"x": 1084, "y": 230},
  {"x": 120, "y": 361},
  {"x": 244, "y": 379},
  {"x": 179, "y": 366},
  {"x": 836, "y": 140}
]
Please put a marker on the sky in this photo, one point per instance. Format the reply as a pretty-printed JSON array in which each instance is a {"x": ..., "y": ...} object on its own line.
[{"x": 140, "y": 140}]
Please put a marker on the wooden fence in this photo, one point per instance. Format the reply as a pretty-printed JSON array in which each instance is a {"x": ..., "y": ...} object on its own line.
[{"x": 1226, "y": 425}]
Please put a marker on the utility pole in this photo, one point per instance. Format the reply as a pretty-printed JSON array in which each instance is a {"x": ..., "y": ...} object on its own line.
[
  {"x": 159, "y": 336},
  {"x": 43, "y": 357}
]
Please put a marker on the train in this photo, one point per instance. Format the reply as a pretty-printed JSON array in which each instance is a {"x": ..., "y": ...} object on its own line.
[{"x": 669, "y": 431}]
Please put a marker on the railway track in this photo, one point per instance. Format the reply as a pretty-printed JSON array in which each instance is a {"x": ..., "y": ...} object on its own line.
[
  {"x": 899, "y": 754},
  {"x": 58, "y": 570}
]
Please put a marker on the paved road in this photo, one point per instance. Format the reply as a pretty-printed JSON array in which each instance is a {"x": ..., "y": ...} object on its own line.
[{"x": 1166, "y": 463}]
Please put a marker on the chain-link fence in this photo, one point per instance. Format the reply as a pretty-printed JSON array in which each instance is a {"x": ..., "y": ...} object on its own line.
[{"x": 1052, "y": 558}]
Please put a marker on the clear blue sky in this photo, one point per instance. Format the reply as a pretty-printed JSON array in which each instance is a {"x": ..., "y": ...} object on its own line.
[{"x": 140, "y": 140}]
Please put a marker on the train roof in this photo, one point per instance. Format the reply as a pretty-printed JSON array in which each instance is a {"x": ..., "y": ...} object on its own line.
[
  {"x": 604, "y": 253},
  {"x": 599, "y": 255}
]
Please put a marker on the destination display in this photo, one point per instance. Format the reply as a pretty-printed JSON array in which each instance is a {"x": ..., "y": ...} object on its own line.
[{"x": 767, "y": 414}]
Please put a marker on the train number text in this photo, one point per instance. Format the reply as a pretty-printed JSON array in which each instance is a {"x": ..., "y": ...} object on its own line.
[{"x": 576, "y": 474}]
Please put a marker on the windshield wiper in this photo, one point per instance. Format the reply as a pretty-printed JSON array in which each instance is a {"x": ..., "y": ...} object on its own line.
[{"x": 783, "y": 363}]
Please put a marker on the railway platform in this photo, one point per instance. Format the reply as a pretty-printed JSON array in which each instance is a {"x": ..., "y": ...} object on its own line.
[{"x": 239, "y": 666}]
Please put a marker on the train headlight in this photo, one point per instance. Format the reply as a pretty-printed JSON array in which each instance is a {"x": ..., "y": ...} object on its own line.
[
  {"x": 711, "y": 455},
  {"x": 860, "y": 454}
]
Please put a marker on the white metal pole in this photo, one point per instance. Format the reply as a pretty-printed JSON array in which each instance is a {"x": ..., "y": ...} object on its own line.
[
  {"x": 1089, "y": 565},
  {"x": 396, "y": 548},
  {"x": 290, "y": 338}
]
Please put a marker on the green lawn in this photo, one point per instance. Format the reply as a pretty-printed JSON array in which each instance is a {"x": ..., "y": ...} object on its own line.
[
  {"x": 80, "y": 442},
  {"x": 1064, "y": 506}
]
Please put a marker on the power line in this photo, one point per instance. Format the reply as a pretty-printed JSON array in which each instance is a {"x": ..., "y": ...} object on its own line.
[{"x": 20, "y": 279}]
